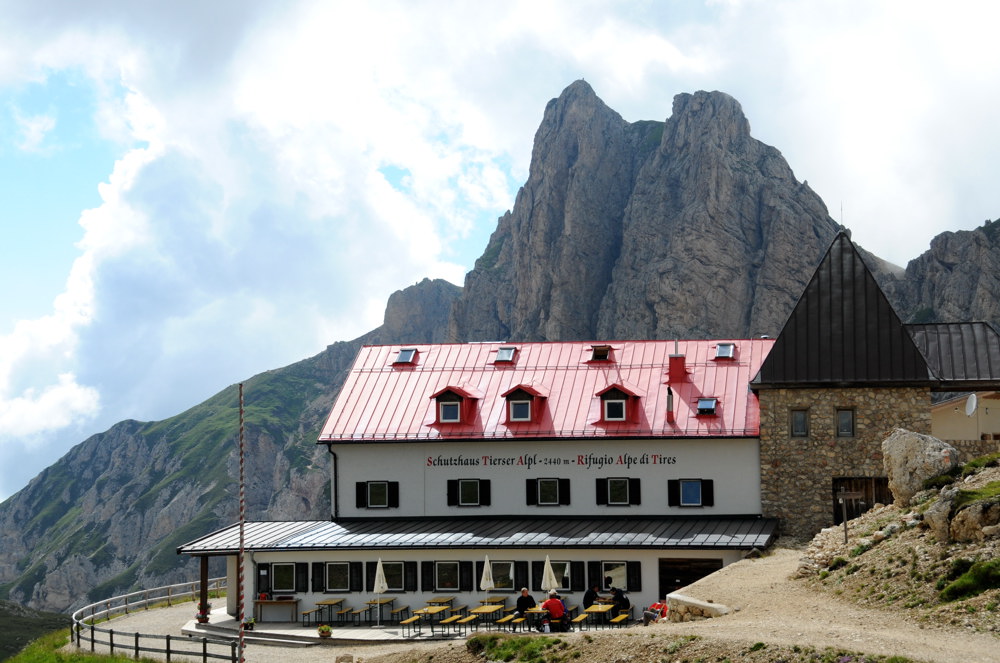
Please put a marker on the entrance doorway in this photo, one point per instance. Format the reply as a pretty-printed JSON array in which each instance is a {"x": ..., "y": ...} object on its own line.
[
  {"x": 677, "y": 573},
  {"x": 873, "y": 490}
]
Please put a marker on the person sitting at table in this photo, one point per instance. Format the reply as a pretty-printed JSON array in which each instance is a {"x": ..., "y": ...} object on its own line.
[
  {"x": 654, "y": 613},
  {"x": 591, "y": 595},
  {"x": 622, "y": 604},
  {"x": 524, "y": 603},
  {"x": 556, "y": 609}
]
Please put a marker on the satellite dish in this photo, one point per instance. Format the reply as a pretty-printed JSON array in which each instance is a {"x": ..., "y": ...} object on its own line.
[{"x": 971, "y": 403}]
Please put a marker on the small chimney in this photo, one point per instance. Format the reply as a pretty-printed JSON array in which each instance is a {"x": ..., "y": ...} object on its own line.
[{"x": 676, "y": 369}]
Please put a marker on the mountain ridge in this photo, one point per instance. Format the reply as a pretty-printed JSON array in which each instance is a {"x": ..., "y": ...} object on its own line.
[{"x": 682, "y": 228}]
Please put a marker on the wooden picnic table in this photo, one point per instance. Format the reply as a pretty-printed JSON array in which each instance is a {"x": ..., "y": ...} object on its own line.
[
  {"x": 258, "y": 607},
  {"x": 378, "y": 604},
  {"x": 441, "y": 600},
  {"x": 535, "y": 616},
  {"x": 600, "y": 611},
  {"x": 489, "y": 600},
  {"x": 430, "y": 612},
  {"x": 327, "y": 606},
  {"x": 488, "y": 611}
]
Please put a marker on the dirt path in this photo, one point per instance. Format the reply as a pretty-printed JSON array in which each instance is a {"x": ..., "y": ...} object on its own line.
[{"x": 775, "y": 609}]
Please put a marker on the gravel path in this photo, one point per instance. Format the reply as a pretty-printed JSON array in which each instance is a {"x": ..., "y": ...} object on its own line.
[{"x": 771, "y": 609}]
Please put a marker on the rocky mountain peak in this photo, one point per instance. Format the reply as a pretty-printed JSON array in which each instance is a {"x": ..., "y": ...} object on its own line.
[{"x": 706, "y": 118}]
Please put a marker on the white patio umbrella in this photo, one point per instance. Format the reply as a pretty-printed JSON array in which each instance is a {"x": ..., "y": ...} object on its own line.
[
  {"x": 381, "y": 587},
  {"x": 486, "y": 582},
  {"x": 549, "y": 581}
]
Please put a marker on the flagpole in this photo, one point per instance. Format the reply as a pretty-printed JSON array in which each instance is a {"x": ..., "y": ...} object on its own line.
[{"x": 239, "y": 560}]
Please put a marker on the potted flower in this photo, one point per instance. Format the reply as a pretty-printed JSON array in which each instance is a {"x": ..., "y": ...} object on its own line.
[
  {"x": 248, "y": 623},
  {"x": 203, "y": 610},
  {"x": 324, "y": 630}
]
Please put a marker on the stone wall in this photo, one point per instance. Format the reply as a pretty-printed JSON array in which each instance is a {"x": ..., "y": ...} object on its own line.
[
  {"x": 970, "y": 449},
  {"x": 797, "y": 473}
]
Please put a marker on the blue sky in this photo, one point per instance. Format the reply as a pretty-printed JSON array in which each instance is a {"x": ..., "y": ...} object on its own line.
[{"x": 195, "y": 192}]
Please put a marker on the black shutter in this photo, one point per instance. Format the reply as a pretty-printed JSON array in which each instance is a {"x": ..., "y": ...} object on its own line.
[
  {"x": 427, "y": 576},
  {"x": 452, "y": 492},
  {"x": 707, "y": 492},
  {"x": 361, "y": 491},
  {"x": 484, "y": 492},
  {"x": 409, "y": 576},
  {"x": 393, "y": 494},
  {"x": 355, "y": 572},
  {"x": 633, "y": 576},
  {"x": 563, "y": 491},
  {"x": 531, "y": 492},
  {"x": 520, "y": 575},
  {"x": 673, "y": 492},
  {"x": 602, "y": 491},
  {"x": 301, "y": 577},
  {"x": 594, "y": 575},
  {"x": 465, "y": 576},
  {"x": 263, "y": 578},
  {"x": 370, "y": 576},
  {"x": 479, "y": 572},
  {"x": 537, "y": 569},
  {"x": 577, "y": 581},
  {"x": 634, "y": 496},
  {"x": 318, "y": 581}
]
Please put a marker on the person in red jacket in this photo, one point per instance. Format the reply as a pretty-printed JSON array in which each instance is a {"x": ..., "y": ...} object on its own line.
[{"x": 556, "y": 609}]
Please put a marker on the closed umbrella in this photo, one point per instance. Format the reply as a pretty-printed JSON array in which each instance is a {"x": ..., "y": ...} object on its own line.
[
  {"x": 486, "y": 582},
  {"x": 381, "y": 587},
  {"x": 549, "y": 581}
]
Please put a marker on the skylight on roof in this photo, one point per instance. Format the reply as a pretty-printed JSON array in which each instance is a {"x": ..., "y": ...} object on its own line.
[
  {"x": 707, "y": 405},
  {"x": 601, "y": 353},
  {"x": 406, "y": 356},
  {"x": 505, "y": 354},
  {"x": 725, "y": 350}
]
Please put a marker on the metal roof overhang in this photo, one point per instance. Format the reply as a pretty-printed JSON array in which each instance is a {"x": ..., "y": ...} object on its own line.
[{"x": 726, "y": 532}]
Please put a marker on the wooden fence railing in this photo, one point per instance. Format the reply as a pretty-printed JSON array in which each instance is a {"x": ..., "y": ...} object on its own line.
[{"x": 85, "y": 627}]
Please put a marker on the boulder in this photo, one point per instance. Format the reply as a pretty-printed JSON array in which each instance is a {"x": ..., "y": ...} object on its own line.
[
  {"x": 912, "y": 458},
  {"x": 970, "y": 523},
  {"x": 938, "y": 515}
]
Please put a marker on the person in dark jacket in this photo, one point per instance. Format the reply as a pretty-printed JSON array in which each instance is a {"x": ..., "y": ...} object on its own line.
[
  {"x": 591, "y": 595},
  {"x": 524, "y": 603}
]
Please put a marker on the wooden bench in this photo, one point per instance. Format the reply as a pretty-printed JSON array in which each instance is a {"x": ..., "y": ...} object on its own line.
[
  {"x": 411, "y": 624},
  {"x": 448, "y": 622},
  {"x": 343, "y": 614},
  {"x": 309, "y": 616},
  {"x": 458, "y": 610},
  {"x": 399, "y": 613},
  {"x": 466, "y": 623},
  {"x": 503, "y": 621},
  {"x": 620, "y": 620},
  {"x": 356, "y": 614},
  {"x": 519, "y": 621},
  {"x": 581, "y": 620}
]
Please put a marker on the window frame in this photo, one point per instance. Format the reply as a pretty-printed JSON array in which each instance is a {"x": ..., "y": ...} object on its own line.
[
  {"x": 853, "y": 421},
  {"x": 548, "y": 481},
  {"x": 505, "y": 355},
  {"x": 406, "y": 356},
  {"x": 447, "y": 405},
  {"x": 606, "y": 574},
  {"x": 274, "y": 577},
  {"x": 389, "y": 575},
  {"x": 708, "y": 406},
  {"x": 600, "y": 353},
  {"x": 725, "y": 351},
  {"x": 461, "y": 497},
  {"x": 438, "y": 565},
  {"x": 687, "y": 503},
  {"x": 370, "y": 502},
  {"x": 618, "y": 481},
  {"x": 498, "y": 585},
  {"x": 511, "y": 403},
  {"x": 619, "y": 402},
  {"x": 792, "y": 413},
  {"x": 347, "y": 577}
]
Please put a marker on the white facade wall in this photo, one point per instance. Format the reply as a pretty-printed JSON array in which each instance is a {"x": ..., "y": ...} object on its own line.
[
  {"x": 423, "y": 469},
  {"x": 649, "y": 559}
]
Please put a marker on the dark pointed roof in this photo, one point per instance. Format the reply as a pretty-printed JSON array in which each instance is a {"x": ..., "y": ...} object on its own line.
[{"x": 843, "y": 332}]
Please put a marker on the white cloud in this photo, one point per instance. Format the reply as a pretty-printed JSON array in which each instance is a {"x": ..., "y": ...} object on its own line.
[{"x": 33, "y": 130}]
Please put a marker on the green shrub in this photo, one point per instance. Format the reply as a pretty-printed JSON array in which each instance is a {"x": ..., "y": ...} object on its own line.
[{"x": 980, "y": 577}]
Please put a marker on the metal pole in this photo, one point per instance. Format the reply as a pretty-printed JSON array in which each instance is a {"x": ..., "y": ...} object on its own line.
[{"x": 239, "y": 558}]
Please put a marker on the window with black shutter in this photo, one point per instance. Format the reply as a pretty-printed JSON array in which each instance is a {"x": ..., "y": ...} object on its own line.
[
  {"x": 690, "y": 492},
  {"x": 546, "y": 492},
  {"x": 617, "y": 491},
  {"x": 377, "y": 494},
  {"x": 468, "y": 492}
]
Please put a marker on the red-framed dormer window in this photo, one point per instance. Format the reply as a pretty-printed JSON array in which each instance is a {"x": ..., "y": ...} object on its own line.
[
  {"x": 449, "y": 408},
  {"x": 524, "y": 403},
  {"x": 616, "y": 404}
]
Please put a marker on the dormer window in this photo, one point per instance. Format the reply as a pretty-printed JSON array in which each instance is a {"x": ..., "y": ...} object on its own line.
[
  {"x": 613, "y": 405},
  {"x": 707, "y": 406},
  {"x": 505, "y": 355},
  {"x": 449, "y": 408},
  {"x": 519, "y": 410},
  {"x": 725, "y": 350},
  {"x": 601, "y": 353},
  {"x": 406, "y": 356},
  {"x": 524, "y": 402}
]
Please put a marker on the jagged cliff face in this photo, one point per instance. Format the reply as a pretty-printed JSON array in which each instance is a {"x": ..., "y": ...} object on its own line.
[{"x": 689, "y": 228}]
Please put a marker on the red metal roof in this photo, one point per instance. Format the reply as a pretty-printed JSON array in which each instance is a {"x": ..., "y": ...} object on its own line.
[{"x": 381, "y": 400}]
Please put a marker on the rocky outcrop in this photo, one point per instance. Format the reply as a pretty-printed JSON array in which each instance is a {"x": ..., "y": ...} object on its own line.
[
  {"x": 688, "y": 228},
  {"x": 912, "y": 458}
]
